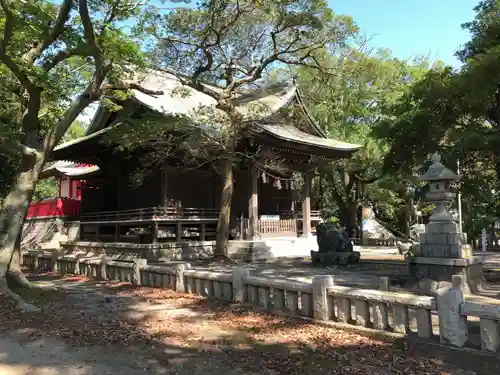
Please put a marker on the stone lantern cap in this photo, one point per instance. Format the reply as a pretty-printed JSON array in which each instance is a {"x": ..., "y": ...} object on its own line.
[{"x": 438, "y": 172}]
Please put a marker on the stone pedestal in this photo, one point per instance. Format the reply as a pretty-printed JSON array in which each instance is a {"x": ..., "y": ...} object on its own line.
[{"x": 443, "y": 252}]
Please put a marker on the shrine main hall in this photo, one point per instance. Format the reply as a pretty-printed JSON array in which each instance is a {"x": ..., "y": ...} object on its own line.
[{"x": 176, "y": 202}]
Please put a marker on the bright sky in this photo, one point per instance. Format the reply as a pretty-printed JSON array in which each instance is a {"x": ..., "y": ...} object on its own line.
[{"x": 412, "y": 28}]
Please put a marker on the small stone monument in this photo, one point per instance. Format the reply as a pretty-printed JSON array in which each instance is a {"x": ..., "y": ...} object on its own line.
[
  {"x": 443, "y": 250},
  {"x": 334, "y": 246}
]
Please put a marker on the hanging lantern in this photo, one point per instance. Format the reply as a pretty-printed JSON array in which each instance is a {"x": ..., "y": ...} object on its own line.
[{"x": 278, "y": 184}]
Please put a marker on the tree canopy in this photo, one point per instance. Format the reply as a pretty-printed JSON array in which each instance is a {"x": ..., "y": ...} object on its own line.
[
  {"x": 55, "y": 60},
  {"x": 455, "y": 112}
]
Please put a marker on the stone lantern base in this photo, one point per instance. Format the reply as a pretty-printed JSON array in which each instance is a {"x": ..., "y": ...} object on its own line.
[
  {"x": 430, "y": 274},
  {"x": 442, "y": 253}
]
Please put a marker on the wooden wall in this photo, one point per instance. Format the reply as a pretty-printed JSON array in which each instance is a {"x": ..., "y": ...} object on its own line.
[
  {"x": 272, "y": 201},
  {"x": 194, "y": 189}
]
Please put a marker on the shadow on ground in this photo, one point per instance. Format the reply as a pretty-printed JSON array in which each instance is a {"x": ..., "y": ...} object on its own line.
[{"x": 93, "y": 328}]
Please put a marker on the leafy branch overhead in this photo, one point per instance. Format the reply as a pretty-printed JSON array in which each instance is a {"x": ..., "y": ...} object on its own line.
[
  {"x": 60, "y": 66},
  {"x": 56, "y": 58},
  {"x": 236, "y": 42}
]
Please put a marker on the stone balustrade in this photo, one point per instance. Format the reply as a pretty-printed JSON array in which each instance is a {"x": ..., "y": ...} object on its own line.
[{"x": 399, "y": 312}]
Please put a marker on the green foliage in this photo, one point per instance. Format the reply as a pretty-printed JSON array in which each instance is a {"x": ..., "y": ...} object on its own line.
[
  {"x": 448, "y": 111},
  {"x": 350, "y": 103},
  {"x": 46, "y": 189},
  {"x": 48, "y": 62},
  {"x": 221, "y": 41},
  {"x": 75, "y": 131}
]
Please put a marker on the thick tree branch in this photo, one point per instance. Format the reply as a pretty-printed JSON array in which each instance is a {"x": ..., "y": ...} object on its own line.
[
  {"x": 82, "y": 101},
  {"x": 63, "y": 16},
  {"x": 88, "y": 29},
  {"x": 256, "y": 72},
  {"x": 30, "y": 120},
  {"x": 74, "y": 110},
  {"x": 129, "y": 86},
  {"x": 58, "y": 58},
  {"x": 197, "y": 85},
  {"x": 8, "y": 27},
  {"x": 12, "y": 148},
  {"x": 64, "y": 55},
  {"x": 101, "y": 69}
]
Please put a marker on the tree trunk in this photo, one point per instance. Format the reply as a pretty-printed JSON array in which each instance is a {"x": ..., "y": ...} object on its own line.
[
  {"x": 15, "y": 273},
  {"x": 225, "y": 207},
  {"x": 321, "y": 198},
  {"x": 14, "y": 209},
  {"x": 349, "y": 218}
]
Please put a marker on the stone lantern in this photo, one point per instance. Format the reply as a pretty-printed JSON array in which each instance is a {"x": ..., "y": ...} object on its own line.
[
  {"x": 440, "y": 179},
  {"x": 443, "y": 250}
]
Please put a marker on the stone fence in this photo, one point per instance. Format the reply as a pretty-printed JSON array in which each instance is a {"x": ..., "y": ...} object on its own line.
[{"x": 368, "y": 310}]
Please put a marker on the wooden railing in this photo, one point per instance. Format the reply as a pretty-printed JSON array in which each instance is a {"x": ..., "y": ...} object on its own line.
[
  {"x": 152, "y": 213},
  {"x": 267, "y": 228},
  {"x": 57, "y": 207},
  {"x": 492, "y": 244}
]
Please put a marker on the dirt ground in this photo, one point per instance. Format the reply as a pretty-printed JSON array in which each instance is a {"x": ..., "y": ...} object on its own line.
[{"x": 87, "y": 328}]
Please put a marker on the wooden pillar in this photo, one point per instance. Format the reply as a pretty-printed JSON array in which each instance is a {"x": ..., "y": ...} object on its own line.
[
  {"x": 306, "y": 206},
  {"x": 179, "y": 232},
  {"x": 203, "y": 229},
  {"x": 119, "y": 188},
  {"x": 253, "y": 203},
  {"x": 117, "y": 233},
  {"x": 98, "y": 232},
  {"x": 164, "y": 190},
  {"x": 154, "y": 228}
]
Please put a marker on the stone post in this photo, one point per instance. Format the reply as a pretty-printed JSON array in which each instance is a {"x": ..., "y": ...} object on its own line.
[
  {"x": 136, "y": 271},
  {"x": 77, "y": 270},
  {"x": 102, "y": 268},
  {"x": 56, "y": 253},
  {"x": 320, "y": 285},
  {"x": 490, "y": 334},
  {"x": 384, "y": 283},
  {"x": 179, "y": 277},
  {"x": 452, "y": 325},
  {"x": 239, "y": 276},
  {"x": 36, "y": 260}
]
